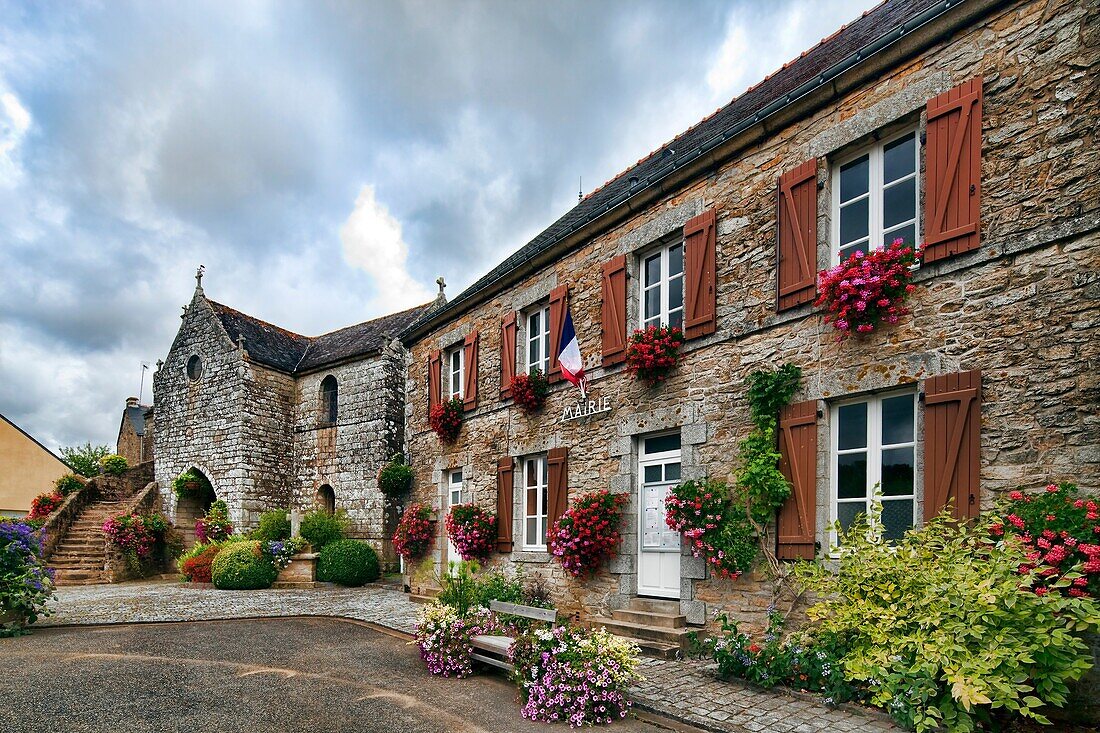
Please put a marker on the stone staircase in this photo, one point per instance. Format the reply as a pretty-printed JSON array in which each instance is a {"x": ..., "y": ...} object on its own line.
[
  {"x": 656, "y": 626},
  {"x": 80, "y": 557}
]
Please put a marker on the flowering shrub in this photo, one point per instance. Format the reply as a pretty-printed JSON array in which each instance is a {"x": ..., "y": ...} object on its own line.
[
  {"x": 715, "y": 529},
  {"x": 653, "y": 352},
  {"x": 588, "y": 531},
  {"x": 568, "y": 673},
  {"x": 44, "y": 505},
  {"x": 867, "y": 289},
  {"x": 472, "y": 530},
  {"x": 136, "y": 535},
  {"x": 446, "y": 419},
  {"x": 68, "y": 484},
  {"x": 195, "y": 564},
  {"x": 279, "y": 552},
  {"x": 939, "y": 631},
  {"x": 443, "y": 637},
  {"x": 113, "y": 465},
  {"x": 395, "y": 478},
  {"x": 25, "y": 581},
  {"x": 215, "y": 526},
  {"x": 530, "y": 390},
  {"x": 1060, "y": 534},
  {"x": 413, "y": 537},
  {"x": 191, "y": 483}
]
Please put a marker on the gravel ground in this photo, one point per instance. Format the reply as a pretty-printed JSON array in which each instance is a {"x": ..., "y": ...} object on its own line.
[{"x": 254, "y": 676}]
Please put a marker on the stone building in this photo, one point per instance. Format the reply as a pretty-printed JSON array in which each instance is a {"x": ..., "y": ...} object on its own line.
[
  {"x": 275, "y": 419},
  {"x": 969, "y": 127},
  {"x": 135, "y": 432}
]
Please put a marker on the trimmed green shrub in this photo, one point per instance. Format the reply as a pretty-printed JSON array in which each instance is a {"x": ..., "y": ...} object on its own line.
[
  {"x": 274, "y": 525},
  {"x": 320, "y": 528},
  {"x": 68, "y": 484},
  {"x": 347, "y": 562},
  {"x": 113, "y": 465},
  {"x": 242, "y": 566}
]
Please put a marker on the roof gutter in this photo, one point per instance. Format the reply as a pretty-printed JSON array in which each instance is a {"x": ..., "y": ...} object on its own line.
[{"x": 704, "y": 155}]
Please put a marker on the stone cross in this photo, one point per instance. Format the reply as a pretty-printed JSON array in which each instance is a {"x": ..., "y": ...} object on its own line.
[
  {"x": 441, "y": 283},
  {"x": 198, "y": 277},
  {"x": 295, "y": 522}
]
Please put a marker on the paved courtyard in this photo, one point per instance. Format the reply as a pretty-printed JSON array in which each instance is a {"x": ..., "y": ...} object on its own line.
[{"x": 684, "y": 690}]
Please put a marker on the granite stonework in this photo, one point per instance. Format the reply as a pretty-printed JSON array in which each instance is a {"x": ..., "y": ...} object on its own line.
[{"x": 1023, "y": 308}]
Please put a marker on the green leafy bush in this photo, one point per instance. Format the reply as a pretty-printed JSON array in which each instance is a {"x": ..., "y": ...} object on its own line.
[
  {"x": 84, "y": 459},
  {"x": 113, "y": 464},
  {"x": 347, "y": 562},
  {"x": 243, "y": 566},
  {"x": 319, "y": 528},
  {"x": 396, "y": 477},
  {"x": 942, "y": 630},
  {"x": 68, "y": 484},
  {"x": 274, "y": 525}
]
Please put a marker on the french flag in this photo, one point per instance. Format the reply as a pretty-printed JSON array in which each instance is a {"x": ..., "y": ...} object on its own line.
[{"x": 569, "y": 354}]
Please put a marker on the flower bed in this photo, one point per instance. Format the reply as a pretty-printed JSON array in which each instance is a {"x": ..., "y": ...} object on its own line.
[
  {"x": 653, "y": 353},
  {"x": 44, "y": 505},
  {"x": 443, "y": 637},
  {"x": 195, "y": 564},
  {"x": 472, "y": 530},
  {"x": 143, "y": 539},
  {"x": 867, "y": 289},
  {"x": 413, "y": 537},
  {"x": 588, "y": 532},
  {"x": 570, "y": 674},
  {"x": 25, "y": 581},
  {"x": 446, "y": 419},
  {"x": 215, "y": 526},
  {"x": 530, "y": 390}
]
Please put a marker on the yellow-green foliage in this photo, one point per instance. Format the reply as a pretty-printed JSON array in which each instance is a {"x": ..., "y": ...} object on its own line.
[
  {"x": 242, "y": 566},
  {"x": 939, "y": 631}
]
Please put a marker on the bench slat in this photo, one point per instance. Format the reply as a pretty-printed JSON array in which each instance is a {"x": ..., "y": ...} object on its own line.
[
  {"x": 499, "y": 644},
  {"x": 539, "y": 614},
  {"x": 492, "y": 660}
]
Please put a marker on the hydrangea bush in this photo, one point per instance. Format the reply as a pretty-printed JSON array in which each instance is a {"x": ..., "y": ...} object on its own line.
[
  {"x": 867, "y": 289},
  {"x": 653, "y": 352},
  {"x": 472, "y": 530},
  {"x": 570, "y": 674},
  {"x": 530, "y": 390},
  {"x": 25, "y": 581},
  {"x": 413, "y": 537},
  {"x": 446, "y": 419},
  {"x": 588, "y": 532}
]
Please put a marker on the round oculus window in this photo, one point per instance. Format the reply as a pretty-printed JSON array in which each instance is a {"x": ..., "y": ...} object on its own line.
[{"x": 194, "y": 368}]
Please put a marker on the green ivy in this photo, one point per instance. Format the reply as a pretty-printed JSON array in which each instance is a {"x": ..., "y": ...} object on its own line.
[{"x": 769, "y": 392}]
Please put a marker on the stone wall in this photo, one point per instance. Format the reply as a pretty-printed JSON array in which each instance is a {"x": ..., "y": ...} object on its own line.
[{"x": 1022, "y": 309}]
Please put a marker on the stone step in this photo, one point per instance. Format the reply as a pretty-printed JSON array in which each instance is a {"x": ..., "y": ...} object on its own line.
[
  {"x": 657, "y": 649},
  {"x": 647, "y": 618},
  {"x": 72, "y": 577},
  {"x": 641, "y": 631},
  {"x": 415, "y": 598},
  {"x": 77, "y": 566},
  {"x": 654, "y": 605}
]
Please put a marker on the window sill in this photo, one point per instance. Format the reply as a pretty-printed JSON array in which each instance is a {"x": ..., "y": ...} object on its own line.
[{"x": 531, "y": 556}]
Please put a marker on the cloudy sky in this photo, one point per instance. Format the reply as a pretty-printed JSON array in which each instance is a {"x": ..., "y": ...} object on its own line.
[{"x": 326, "y": 161}]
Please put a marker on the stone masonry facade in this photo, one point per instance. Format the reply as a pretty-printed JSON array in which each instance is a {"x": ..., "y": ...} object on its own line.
[{"x": 1022, "y": 308}]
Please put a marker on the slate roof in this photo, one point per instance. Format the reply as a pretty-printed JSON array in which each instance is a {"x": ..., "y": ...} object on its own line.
[
  {"x": 136, "y": 416},
  {"x": 293, "y": 353},
  {"x": 819, "y": 64}
]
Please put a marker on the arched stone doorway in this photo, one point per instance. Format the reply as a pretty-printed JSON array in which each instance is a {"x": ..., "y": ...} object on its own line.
[
  {"x": 193, "y": 506},
  {"x": 325, "y": 499}
]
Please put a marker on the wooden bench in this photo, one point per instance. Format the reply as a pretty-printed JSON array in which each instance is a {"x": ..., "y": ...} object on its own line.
[{"x": 492, "y": 649}]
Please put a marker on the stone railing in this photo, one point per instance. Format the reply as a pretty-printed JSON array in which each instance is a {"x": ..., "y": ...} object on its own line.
[
  {"x": 117, "y": 568},
  {"x": 58, "y": 523}
]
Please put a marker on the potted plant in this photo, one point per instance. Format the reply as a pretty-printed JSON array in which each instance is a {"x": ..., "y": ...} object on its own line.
[
  {"x": 654, "y": 352},
  {"x": 530, "y": 390},
  {"x": 472, "y": 530},
  {"x": 446, "y": 419},
  {"x": 867, "y": 289},
  {"x": 190, "y": 483},
  {"x": 395, "y": 478},
  {"x": 415, "y": 531}
]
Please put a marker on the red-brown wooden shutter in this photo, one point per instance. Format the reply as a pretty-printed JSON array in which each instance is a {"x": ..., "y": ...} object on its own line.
[
  {"x": 435, "y": 363},
  {"x": 952, "y": 452},
  {"x": 557, "y": 485},
  {"x": 505, "y": 466},
  {"x": 953, "y": 171},
  {"x": 700, "y": 280},
  {"x": 797, "y": 236},
  {"x": 798, "y": 463},
  {"x": 613, "y": 314},
  {"x": 469, "y": 358},
  {"x": 507, "y": 354},
  {"x": 558, "y": 298}
]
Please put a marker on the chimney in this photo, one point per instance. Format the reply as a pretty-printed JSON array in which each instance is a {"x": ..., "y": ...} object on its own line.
[{"x": 131, "y": 401}]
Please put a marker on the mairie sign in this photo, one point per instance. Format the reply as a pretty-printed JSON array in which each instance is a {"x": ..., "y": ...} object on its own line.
[{"x": 586, "y": 408}]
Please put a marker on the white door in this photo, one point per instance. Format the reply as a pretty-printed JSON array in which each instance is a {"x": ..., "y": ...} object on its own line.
[
  {"x": 659, "y": 546},
  {"x": 454, "y": 497}
]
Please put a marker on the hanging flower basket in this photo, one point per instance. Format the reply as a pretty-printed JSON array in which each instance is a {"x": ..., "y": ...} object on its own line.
[
  {"x": 654, "y": 352},
  {"x": 867, "y": 290},
  {"x": 190, "y": 484},
  {"x": 530, "y": 390},
  {"x": 395, "y": 478},
  {"x": 413, "y": 537},
  {"x": 446, "y": 419},
  {"x": 714, "y": 530},
  {"x": 472, "y": 530},
  {"x": 588, "y": 532}
]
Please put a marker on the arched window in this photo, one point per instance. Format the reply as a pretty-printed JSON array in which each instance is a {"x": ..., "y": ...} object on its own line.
[
  {"x": 326, "y": 499},
  {"x": 194, "y": 368},
  {"x": 329, "y": 400}
]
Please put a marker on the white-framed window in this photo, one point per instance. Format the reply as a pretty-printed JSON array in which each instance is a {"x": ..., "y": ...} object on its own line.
[
  {"x": 659, "y": 470},
  {"x": 662, "y": 291},
  {"x": 534, "y": 503},
  {"x": 453, "y": 374},
  {"x": 876, "y": 198},
  {"x": 538, "y": 339},
  {"x": 454, "y": 488},
  {"x": 874, "y": 445}
]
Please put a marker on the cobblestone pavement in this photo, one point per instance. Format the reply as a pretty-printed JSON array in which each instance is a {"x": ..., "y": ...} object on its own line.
[{"x": 685, "y": 690}]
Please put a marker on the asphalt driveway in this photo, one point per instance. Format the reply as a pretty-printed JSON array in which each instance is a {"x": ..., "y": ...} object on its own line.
[{"x": 262, "y": 676}]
